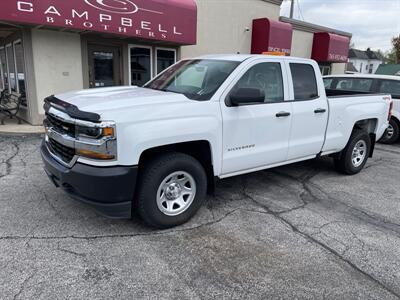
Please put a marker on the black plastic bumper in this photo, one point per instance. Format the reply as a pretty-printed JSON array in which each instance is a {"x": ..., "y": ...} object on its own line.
[{"x": 110, "y": 190}]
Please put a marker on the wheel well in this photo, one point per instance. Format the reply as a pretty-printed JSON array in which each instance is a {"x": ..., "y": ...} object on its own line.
[
  {"x": 200, "y": 150},
  {"x": 396, "y": 120},
  {"x": 368, "y": 125}
]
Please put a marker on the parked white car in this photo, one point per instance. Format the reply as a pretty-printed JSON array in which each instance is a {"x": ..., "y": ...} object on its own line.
[
  {"x": 158, "y": 149},
  {"x": 360, "y": 83}
]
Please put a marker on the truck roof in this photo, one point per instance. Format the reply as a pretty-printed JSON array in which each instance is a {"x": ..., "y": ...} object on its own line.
[
  {"x": 372, "y": 76},
  {"x": 243, "y": 57}
]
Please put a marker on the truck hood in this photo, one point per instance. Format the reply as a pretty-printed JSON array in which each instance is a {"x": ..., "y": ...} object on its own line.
[{"x": 108, "y": 101}]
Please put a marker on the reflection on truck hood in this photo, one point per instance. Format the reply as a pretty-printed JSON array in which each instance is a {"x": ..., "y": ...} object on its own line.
[{"x": 114, "y": 99}]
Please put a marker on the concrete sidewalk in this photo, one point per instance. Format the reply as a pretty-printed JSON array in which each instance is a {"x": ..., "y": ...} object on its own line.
[{"x": 12, "y": 127}]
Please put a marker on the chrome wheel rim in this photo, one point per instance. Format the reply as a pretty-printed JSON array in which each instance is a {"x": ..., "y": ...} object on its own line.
[
  {"x": 176, "y": 193},
  {"x": 359, "y": 153},
  {"x": 389, "y": 132}
]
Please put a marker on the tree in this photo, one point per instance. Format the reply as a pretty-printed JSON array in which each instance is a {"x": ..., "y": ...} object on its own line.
[{"x": 396, "y": 49}]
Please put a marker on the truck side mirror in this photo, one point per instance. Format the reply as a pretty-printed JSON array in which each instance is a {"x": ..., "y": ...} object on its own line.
[{"x": 244, "y": 96}]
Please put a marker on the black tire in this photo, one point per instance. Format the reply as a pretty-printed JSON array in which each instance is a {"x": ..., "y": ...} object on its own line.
[
  {"x": 345, "y": 163},
  {"x": 393, "y": 137},
  {"x": 154, "y": 173}
]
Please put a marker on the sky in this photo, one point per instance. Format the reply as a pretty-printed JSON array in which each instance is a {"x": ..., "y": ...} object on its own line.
[{"x": 373, "y": 23}]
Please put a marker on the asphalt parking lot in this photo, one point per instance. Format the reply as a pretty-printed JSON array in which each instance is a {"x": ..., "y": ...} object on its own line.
[{"x": 300, "y": 231}]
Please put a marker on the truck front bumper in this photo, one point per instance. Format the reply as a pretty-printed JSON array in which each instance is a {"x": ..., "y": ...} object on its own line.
[{"x": 110, "y": 190}]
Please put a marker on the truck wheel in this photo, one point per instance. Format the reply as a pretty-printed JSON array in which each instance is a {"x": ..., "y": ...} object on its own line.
[
  {"x": 354, "y": 157},
  {"x": 172, "y": 189},
  {"x": 392, "y": 134}
]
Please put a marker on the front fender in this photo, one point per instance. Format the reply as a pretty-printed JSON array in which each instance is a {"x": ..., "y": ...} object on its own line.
[{"x": 135, "y": 138}]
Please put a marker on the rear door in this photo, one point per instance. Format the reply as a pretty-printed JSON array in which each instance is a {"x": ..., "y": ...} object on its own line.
[
  {"x": 310, "y": 110},
  {"x": 257, "y": 135}
]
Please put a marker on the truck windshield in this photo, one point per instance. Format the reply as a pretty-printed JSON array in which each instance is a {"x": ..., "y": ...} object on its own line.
[{"x": 197, "y": 79}]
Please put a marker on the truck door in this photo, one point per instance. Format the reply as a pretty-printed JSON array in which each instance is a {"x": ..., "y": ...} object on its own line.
[
  {"x": 257, "y": 135},
  {"x": 310, "y": 111}
]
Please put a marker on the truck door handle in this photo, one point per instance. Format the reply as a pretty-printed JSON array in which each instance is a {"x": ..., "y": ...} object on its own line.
[
  {"x": 283, "y": 114},
  {"x": 320, "y": 110}
]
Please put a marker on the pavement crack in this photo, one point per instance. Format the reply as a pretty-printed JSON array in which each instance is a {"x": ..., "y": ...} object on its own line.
[
  {"x": 313, "y": 240},
  {"x": 8, "y": 161},
  {"x": 22, "y": 287},
  {"x": 110, "y": 236}
]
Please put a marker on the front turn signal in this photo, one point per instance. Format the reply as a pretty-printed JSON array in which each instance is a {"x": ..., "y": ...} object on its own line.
[
  {"x": 108, "y": 131},
  {"x": 94, "y": 155}
]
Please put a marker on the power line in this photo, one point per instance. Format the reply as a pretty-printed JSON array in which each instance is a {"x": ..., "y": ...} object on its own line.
[{"x": 299, "y": 8}]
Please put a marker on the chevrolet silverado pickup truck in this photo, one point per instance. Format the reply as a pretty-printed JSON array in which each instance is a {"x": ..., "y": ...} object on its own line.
[
  {"x": 371, "y": 83},
  {"x": 158, "y": 149}
]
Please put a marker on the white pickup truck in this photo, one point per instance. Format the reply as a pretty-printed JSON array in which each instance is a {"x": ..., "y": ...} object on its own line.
[
  {"x": 371, "y": 83},
  {"x": 158, "y": 149}
]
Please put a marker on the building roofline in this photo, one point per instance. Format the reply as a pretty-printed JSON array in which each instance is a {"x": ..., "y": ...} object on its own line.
[
  {"x": 277, "y": 2},
  {"x": 309, "y": 27}
]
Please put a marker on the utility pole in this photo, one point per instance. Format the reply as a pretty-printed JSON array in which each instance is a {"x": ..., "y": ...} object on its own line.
[{"x": 291, "y": 8}]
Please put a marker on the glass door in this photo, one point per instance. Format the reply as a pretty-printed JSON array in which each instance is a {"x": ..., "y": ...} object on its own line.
[
  {"x": 104, "y": 66},
  {"x": 140, "y": 58}
]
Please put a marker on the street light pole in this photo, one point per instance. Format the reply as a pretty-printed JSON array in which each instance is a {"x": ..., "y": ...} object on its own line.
[{"x": 291, "y": 9}]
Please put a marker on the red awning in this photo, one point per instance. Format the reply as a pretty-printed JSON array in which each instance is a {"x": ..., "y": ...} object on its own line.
[
  {"x": 162, "y": 20},
  {"x": 271, "y": 36},
  {"x": 329, "y": 47}
]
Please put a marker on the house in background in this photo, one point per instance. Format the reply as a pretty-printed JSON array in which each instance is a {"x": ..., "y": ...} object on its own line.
[
  {"x": 390, "y": 69},
  {"x": 365, "y": 62}
]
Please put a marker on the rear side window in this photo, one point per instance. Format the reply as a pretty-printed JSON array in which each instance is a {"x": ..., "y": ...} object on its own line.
[
  {"x": 354, "y": 84},
  {"x": 390, "y": 87},
  {"x": 328, "y": 82},
  {"x": 304, "y": 81}
]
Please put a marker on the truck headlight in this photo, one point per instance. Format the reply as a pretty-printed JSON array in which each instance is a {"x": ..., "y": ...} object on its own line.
[{"x": 94, "y": 132}]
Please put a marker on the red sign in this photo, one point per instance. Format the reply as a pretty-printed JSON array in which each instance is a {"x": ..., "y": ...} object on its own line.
[
  {"x": 271, "y": 36},
  {"x": 329, "y": 47},
  {"x": 168, "y": 20}
]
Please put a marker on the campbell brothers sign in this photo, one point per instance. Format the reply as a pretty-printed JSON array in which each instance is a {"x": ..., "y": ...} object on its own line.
[{"x": 167, "y": 20}]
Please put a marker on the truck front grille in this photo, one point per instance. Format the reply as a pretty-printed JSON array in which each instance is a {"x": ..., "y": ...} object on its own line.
[
  {"x": 64, "y": 153},
  {"x": 61, "y": 126}
]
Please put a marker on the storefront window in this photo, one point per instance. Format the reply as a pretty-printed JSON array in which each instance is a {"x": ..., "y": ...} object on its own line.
[
  {"x": 165, "y": 59},
  {"x": 20, "y": 63},
  {"x": 11, "y": 68},
  {"x": 1, "y": 77},
  {"x": 140, "y": 58},
  {"x": 3, "y": 61}
]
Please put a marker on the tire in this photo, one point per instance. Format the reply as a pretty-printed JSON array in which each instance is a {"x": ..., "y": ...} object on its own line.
[
  {"x": 392, "y": 134},
  {"x": 360, "y": 144},
  {"x": 171, "y": 190}
]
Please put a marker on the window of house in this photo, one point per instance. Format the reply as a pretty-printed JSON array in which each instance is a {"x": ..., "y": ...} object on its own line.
[
  {"x": 164, "y": 59},
  {"x": 354, "y": 84},
  {"x": 11, "y": 68},
  {"x": 304, "y": 81},
  {"x": 266, "y": 77},
  {"x": 371, "y": 68},
  {"x": 325, "y": 70}
]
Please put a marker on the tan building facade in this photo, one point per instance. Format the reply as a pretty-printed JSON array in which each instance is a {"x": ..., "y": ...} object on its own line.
[{"x": 72, "y": 48}]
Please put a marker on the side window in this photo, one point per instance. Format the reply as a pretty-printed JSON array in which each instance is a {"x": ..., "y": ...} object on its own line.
[
  {"x": 354, "y": 84},
  {"x": 266, "y": 77},
  {"x": 304, "y": 81},
  {"x": 390, "y": 87},
  {"x": 328, "y": 82}
]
